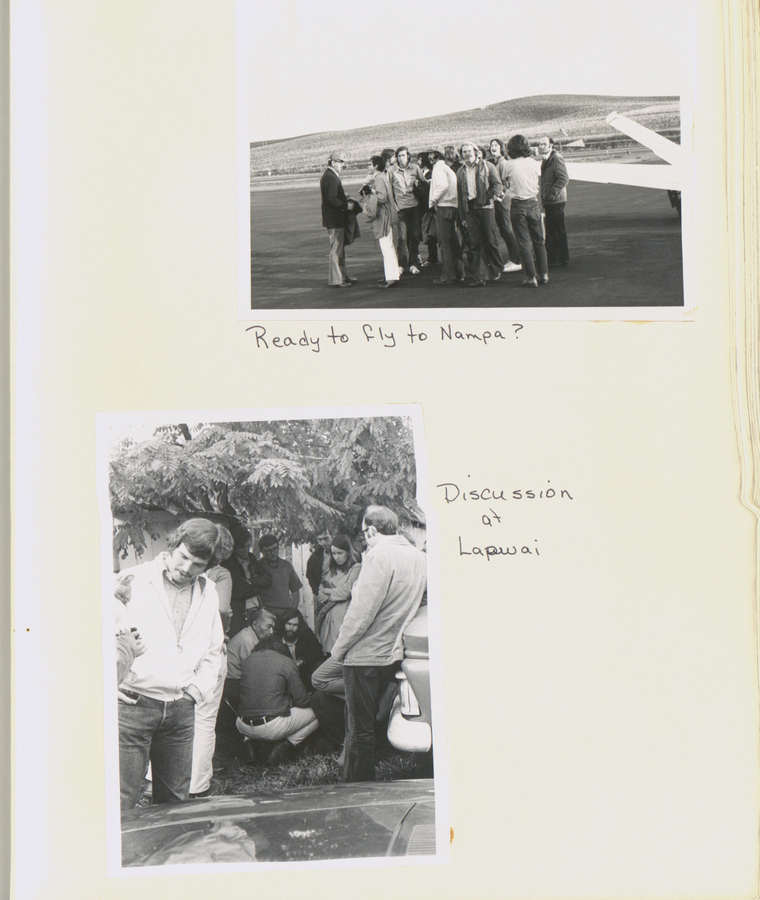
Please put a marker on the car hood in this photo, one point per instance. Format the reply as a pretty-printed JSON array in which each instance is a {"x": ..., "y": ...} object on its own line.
[{"x": 339, "y": 821}]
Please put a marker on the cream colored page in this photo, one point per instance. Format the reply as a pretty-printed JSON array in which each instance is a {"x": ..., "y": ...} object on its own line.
[{"x": 601, "y": 695}]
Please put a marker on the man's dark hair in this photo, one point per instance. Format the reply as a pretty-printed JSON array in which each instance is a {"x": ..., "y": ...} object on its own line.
[
  {"x": 268, "y": 540},
  {"x": 204, "y": 539},
  {"x": 518, "y": 146},
  {"x": 285, "y": 616},
  {"x": 402, "y": 147},
  {"x": 434, "y": 156},
  {"x": 272, "y": 642},
  {"x": 450, "y": 152},
  {"x": 499, "y": 142},
  {"x": 388, "y": 153},
  {"x": 384, "y": 519},
  {"x": 378, "y": 162}
]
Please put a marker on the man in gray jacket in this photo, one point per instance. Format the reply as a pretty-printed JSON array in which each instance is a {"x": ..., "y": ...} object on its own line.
[
  {"x": 554, "y": 181},
  {"x": 385, "y": 598}
]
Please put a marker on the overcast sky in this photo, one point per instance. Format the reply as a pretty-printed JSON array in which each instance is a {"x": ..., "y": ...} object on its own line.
[{"x": 321, "y": 65}]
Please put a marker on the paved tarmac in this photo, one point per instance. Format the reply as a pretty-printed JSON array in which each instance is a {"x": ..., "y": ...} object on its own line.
[{"x": 625, "y": 250}]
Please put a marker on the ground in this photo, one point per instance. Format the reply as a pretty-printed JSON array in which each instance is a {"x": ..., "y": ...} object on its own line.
[
  {"x": 233, "y": 776},
  {"x": 625, "y": 249}
]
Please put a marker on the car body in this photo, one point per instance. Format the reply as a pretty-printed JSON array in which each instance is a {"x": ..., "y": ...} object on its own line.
[
  {"x": 410, "y": 722},
  {"x": 332, "y": 821}
]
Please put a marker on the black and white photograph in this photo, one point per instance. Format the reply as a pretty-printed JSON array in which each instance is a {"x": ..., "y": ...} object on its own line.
[
  {"x": 468, "y": 167},
  {"x": 271, "y": 622}
]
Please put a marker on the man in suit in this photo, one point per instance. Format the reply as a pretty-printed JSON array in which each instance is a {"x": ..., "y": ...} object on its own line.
[
  {"x": 335, "y": 213},
  {"x": 554, "y": 179}
]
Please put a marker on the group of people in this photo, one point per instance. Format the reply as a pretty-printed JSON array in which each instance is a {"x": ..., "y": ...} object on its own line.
[
  {"x": 458, "y": 208},
  {"x": 207, "y": 634}
]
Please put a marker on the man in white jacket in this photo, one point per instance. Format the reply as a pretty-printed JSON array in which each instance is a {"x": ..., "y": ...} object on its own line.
[
  {"x": 384, "y": 600},
  {"x": 175, "y": 609}
]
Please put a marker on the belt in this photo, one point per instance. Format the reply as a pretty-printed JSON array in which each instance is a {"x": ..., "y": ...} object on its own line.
[
  {"x": 254, "y": 721},
  {"x": 143, "y": 700}
]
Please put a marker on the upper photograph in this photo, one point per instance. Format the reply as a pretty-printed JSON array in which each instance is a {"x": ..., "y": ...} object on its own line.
[{"x": 489, "y": 173}]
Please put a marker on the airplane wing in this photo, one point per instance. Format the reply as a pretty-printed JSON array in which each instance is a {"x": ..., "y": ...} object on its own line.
[
  {"x": 662, "y": 177},
  {"x": 664, "y": 148},
  {"x": 666, "y": 178}
]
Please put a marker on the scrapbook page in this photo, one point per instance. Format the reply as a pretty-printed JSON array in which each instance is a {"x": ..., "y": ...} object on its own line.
[{"x": 200, "y": 415}]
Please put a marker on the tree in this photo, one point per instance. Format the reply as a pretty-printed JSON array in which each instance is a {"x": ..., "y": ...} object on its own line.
[{"x": 299, "y": 475}]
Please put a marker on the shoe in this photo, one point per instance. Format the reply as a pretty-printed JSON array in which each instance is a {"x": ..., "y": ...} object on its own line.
[
  {"x": 347, "y": 279},
  {"x": 343, "y": 284},
  {"x": 200, "y": 794},
  {"x": 400, "y": 271},
  {"x": 387, "y": 284},
  {"x": 444, "y": 281},
  {"x": 281, "y": 752},
  {"x": 543, "y": 279},
  {"x": 477, "y": 283},
  {"x": 424, "y": 265},
  {"x": 530, "y": 282},
  {"x": 322, "y": 746},
  {"x": 413, "y": 270},
  {"x": 512, "y": 267},
  {"x": 495, "y": 277}
]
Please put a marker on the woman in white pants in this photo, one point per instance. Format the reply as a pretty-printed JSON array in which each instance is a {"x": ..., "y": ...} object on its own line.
[{"x": 380, "y": 209}]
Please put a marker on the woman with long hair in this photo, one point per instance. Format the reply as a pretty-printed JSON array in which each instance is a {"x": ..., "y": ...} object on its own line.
[
  {"x": 503, "y": 207},
  {"x": 335, "y": 590},
  {"x": 524, "y": 174}
]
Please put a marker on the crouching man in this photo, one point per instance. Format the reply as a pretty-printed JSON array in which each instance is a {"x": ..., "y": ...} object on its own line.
[
  {"x": 274, "y": 706},
  {"x": 175, "y": 609}
]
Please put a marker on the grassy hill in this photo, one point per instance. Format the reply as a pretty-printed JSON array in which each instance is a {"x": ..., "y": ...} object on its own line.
[{"x": 577, "y": 115}]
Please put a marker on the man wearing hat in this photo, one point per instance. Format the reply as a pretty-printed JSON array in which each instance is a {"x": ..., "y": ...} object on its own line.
[{"x": 335, "y": 218}]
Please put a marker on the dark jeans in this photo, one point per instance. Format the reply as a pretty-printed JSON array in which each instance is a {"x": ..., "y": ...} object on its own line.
[
  {"x": 526, "y": 222},
  {"x": 365, "y": 685},
  {"x": 481, "y": 236},
  {"x": 448, "y": 240},
  {"x": 556, "y": 236},
  {"x": 503, "y": 223},
  {"x": 429, "y": 235},
  {"x": 162, "y": 732},
  {"x": 330, "y": 712},
  {"x": 408, "y": 236}
]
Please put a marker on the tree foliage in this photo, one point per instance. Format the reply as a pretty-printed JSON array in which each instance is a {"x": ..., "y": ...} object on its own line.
[{"x": 298, "y": 476}]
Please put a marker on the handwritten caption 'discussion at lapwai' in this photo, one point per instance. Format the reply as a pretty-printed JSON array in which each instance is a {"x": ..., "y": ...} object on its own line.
[
  {"x": 314, "y": 339},
  {"x": 492, "y": 508}
]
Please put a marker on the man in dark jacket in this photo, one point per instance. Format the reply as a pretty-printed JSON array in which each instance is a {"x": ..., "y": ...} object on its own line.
[
  {"x": 317, "y": 564},
  {"x": 302, "y": 643},
  {"x": 554, "y": 179},
  {"x": 247, "y": 579},
  {"x": 478, "y": 185},
  {"x": 335, "y": 214}
]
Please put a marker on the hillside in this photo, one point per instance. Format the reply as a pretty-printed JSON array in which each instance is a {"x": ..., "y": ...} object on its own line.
[{"x": 574, "y": 115}]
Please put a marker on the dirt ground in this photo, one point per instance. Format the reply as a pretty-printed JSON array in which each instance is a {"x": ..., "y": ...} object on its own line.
[{"x": 625, "y": 250}]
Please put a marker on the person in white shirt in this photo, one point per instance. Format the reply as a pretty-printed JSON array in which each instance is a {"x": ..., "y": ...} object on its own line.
[
  {"x": 175, "y": 608},
  {"x": 524, "y": 173},
  {"x": 443, "y": 199}
]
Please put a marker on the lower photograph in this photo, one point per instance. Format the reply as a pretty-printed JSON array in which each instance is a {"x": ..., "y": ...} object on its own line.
[{"x": 271, "y": 640}]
